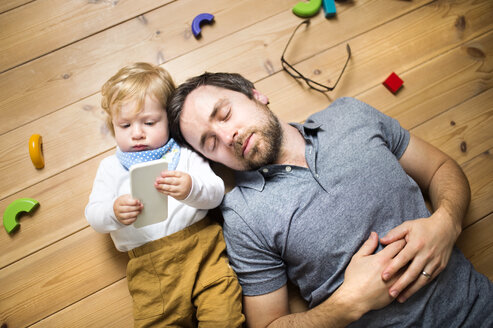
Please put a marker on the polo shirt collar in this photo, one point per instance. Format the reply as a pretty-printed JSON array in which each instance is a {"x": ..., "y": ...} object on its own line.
[{"x": 306, "y": 127}]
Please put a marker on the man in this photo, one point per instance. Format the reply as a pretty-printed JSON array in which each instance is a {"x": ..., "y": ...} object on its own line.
[{"x": 307, "y": 197}]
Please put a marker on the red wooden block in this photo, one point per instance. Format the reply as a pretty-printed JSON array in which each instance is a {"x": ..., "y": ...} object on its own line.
[{"x": 393, "y": 82}]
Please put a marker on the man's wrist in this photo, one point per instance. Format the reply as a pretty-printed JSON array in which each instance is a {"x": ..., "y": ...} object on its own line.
[
  {"x": 454, "y": 222},
  {"x": 349, "y": 306}
]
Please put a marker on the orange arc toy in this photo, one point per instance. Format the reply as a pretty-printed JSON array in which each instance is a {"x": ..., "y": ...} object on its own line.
[{"x": 36, "y": 151}]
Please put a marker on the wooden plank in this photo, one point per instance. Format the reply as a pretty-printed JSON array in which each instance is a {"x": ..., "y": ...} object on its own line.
[
  {"x": 62, "y": 201},
  {"x": 58, "y": 276},
  {"x": 438, "y": 84},
  {"x": 40, "y": 27},
  {"x": 88, "y": 131},
  {"x": 109, "y": 307},
  {"x": 477, "y": 245},
  {"x": 16, "y": 161},
  {"x": 255, "y": 51},
  {"x": 79, "y": 70},
  {"x": 479, "y": 172},
  {"x": 98, "y": 301},
  {"x": 6, "y": 5},
  {"x": 69, "y": 137},
  {"x": 390, "y": 47},
  {"x": 464, "y": 131}
]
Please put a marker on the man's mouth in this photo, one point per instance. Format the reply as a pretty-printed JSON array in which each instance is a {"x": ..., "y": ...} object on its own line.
[{"x": 245, "y": 149}]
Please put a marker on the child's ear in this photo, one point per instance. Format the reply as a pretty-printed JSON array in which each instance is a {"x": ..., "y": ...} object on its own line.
[{"x": 260, "y": 97}]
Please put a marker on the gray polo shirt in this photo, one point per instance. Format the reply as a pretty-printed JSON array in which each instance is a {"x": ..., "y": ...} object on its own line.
[{"x": 304, "y": 224}]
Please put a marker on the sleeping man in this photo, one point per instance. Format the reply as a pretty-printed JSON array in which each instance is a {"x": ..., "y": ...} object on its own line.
[{"x": 307, "y": 197}]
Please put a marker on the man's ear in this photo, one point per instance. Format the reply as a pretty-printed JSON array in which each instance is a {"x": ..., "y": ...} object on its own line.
[{"x": 260, "y": 97}]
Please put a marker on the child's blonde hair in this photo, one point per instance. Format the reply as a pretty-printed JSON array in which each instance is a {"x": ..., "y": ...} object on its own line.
[{"x": 135, "y": 82}]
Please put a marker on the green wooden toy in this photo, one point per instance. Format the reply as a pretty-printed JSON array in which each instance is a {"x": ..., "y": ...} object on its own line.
[
  {"x": 14, "y": 210},
  {"x": 307, "y": 9}
]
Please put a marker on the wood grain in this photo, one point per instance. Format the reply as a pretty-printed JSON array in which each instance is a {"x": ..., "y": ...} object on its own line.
[
  {"x": 55, "y": 271},
  {"x": 39, "y": 27}
]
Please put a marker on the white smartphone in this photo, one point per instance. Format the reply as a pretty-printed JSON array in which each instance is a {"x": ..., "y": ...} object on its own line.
[{"x": 142, "y": 178}]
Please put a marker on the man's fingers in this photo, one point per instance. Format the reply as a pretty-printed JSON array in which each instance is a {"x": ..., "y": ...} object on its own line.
[
  {"x": 393, "y": 249},
  {"x": 413, "y": 273},
  {"x": 398, "y": 262},
  {"x": 368, "y": 246},
  {"x": 395, "y": 234},
  {"x": 413, "y": 288}
]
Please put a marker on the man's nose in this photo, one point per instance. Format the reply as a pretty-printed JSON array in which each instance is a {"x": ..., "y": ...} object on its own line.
[{"x": 227, "y": 136}]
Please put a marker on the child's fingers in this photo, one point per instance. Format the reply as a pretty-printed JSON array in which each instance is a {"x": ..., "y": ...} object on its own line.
[
  {"x": 165, "y": 174},
  {"x": 131, "y": 202},
  {"x": 127, "y": 200},
  {"x": 171, "y": 181},
  {"x": 130, "y": 209},
  {"x": 166, "y": 187},
  {"x": 128, "y": 221}
]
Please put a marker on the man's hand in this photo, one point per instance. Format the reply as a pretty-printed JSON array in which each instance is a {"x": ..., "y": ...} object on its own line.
[
  {"x": 174, "y": 183},
  {"x": 127, "y": 209},
  {"x": 429, "y": 243},
  {"x": 362, "y": 279},
  {"x": 362, "y": 290}
]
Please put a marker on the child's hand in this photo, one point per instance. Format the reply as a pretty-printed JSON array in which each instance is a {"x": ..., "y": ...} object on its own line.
[
  {"x": 174, "y": 183},
  {"x": 127, "y": 208}
]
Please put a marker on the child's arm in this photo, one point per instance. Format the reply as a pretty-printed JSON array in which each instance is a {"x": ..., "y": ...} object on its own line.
[
  {"x": 199, "y": 188},
  {"x": 100, "y": 211}
]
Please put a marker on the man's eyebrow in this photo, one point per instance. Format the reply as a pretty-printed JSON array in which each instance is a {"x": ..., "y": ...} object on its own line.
[{"x": 217, "y": 106}]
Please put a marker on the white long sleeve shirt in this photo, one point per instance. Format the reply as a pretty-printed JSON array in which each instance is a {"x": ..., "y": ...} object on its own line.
[{"x": 112, "y": 181}]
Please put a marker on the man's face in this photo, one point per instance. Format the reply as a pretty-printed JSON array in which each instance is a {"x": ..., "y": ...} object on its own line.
[{"x": 227, "y": 127}]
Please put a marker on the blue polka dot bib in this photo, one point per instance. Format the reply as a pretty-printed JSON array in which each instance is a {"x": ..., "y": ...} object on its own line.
[{"x": 170, "y": 152}]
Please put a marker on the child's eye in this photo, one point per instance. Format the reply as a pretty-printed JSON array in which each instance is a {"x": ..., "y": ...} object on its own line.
[
  {"x": 124, "y": 125},
  {"x": 149, "y": 123}
]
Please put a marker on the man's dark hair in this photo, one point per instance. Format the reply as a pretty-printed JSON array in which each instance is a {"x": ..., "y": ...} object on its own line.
[{"x": 231, "y": 81}]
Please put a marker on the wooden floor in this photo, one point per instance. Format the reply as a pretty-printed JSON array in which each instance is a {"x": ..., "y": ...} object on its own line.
[{"x": 55, "y": 271}]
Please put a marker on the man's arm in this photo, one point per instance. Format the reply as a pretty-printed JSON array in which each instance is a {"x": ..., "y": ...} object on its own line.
[
  {"x": 362, "y": 290},
  {"x": 429, "y": 241}
]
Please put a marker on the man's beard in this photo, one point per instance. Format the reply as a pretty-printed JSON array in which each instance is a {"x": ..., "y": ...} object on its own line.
[{"x": 270, "y": 134}]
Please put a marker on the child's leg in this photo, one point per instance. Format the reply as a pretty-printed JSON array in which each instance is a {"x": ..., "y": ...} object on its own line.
[
  {"x": 217, "y": 294},
  {"x": 159, "y": 298},
  {"x": 161, "y": 276}
]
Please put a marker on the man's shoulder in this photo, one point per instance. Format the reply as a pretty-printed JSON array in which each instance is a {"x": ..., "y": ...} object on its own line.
[
  {"x": 237, "y": 197},
  {"x": 345, "y": 110},
  {"x": 244, "y": 202}
]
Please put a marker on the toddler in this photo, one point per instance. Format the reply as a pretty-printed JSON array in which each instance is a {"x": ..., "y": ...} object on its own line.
[{"x": 178, "y": 273}]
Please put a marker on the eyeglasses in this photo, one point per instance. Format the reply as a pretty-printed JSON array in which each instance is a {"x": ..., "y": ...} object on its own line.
[{"x": 297, "y": 75}]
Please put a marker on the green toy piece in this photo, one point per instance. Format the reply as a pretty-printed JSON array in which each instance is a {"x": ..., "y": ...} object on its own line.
[
  {"x": 13, "y": 211},
  {"x": 307, "y": 9}
]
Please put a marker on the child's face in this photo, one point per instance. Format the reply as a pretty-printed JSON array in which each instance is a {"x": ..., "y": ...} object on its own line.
[{"x": 145, "y": 130}]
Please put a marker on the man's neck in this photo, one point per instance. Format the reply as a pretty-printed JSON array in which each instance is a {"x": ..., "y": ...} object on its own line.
[{"x": 293, "y": 147}]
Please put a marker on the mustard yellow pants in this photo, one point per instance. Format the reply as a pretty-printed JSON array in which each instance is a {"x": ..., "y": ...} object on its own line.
[{"x": 184, "y": 280}]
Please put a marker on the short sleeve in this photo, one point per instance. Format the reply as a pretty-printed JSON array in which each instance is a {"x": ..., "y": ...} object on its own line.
[
  {"x": 352, "y": 112},
  {"x": 259, "y": 269},
  {"x": 396, "y": 137}
]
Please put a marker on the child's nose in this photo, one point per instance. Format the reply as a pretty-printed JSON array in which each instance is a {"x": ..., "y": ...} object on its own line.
[{"x": 137, "y": 131}]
